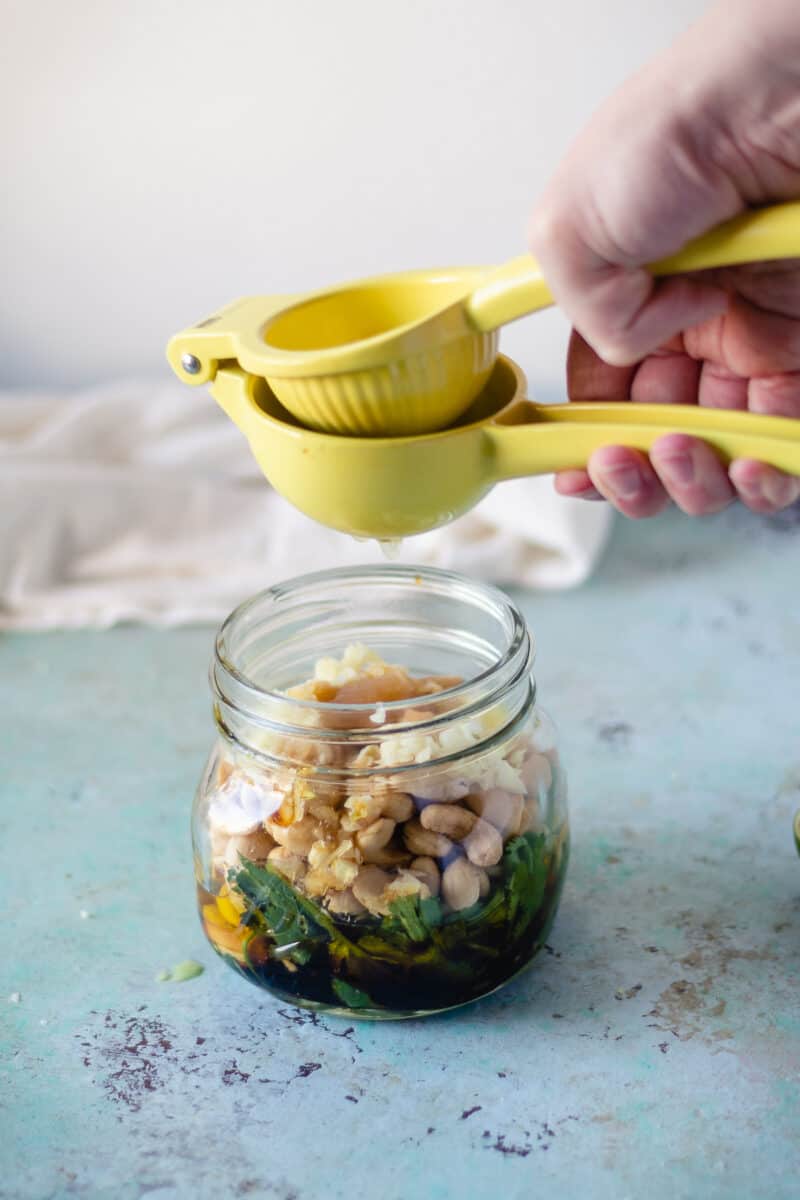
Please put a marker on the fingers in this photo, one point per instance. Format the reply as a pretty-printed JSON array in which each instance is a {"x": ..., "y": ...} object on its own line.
[
  {"x": 625, "y": 478},
  {"x": 590, "y": 378},
  {"x": 775, "y": 395},
  {"x": 691, "y": 474},
  {"x": 681, "y": 469},
  {"x": 577, "y": 485},
  {"x": 633, "y": 314},
  {"x": 763, "y": 488},
  {"x": 720, "y": 388},
  {"x": 667, "y": 377},
  {"x": 754, "y": 337}
]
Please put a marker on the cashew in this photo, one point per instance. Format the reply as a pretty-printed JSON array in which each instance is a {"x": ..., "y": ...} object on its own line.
[
  {"x": 424, "y": 841},
  {"x": 451, "y": 819},
  {"x": 483, "y": 845},
  {"x": 461, "y": 884},
  {"x": 344, "y": 903},
  {"x": 501, "y": 809},
  {"x": 398, "y": 806},
  {"x": 427, "y": 870},
  {"x": 375, "y": 836}
]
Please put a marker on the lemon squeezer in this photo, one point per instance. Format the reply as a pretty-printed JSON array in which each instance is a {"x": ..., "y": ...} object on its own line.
[{"x": 382, "y": 409}]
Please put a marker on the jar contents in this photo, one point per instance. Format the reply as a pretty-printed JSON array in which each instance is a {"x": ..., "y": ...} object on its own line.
[{"x": 384, "y": 888}]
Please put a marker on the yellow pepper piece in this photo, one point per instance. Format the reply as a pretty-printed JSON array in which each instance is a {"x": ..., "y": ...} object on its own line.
[
  {"x": 228, "y": 909},
  {"x": 212, "y": 916}
]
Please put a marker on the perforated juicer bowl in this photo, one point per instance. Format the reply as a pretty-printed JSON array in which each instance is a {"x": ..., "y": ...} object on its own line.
[
  {"x": 408, "y": 353},
  {"x": 354, "y": 389}
]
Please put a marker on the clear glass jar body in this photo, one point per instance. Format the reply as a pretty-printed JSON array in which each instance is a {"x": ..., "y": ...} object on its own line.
[{"x": 379, "y": 840}]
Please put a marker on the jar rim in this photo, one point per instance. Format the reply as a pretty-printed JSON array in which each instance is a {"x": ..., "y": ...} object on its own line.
[
  {"x": 273, "y": 623},
  {"x": 521, "y": 639}
]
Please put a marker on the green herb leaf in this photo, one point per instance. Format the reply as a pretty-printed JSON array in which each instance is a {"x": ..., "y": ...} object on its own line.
[
  {"x": 406, "y": 910},
  {"x": 431, "y": 912},
  {"x": 526, "y": 866},
  {"x": 352, "y": 996},
  {"x": 387, "y": 945},
  {"x": 289, "y": 917}
]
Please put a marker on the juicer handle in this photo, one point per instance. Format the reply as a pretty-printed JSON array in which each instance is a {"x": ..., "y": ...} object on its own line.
[
  {"x": 518, "y": 287},
  {"x": 536, "y": 439},
  {"x": 195, "y": 353}
]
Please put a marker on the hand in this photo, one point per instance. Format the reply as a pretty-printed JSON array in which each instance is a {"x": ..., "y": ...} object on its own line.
[
  {"x": 708, "y": 129},
  {"x": 747, "y": 358}
]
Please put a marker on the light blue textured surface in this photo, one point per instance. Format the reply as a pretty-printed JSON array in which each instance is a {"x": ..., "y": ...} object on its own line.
[{"x": 655, "y": 1050}]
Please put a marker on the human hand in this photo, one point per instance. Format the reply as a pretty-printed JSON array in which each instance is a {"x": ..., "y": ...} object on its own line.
[
  {"x": 746, "y": 358},
  {"x": 708, "y": 129}
]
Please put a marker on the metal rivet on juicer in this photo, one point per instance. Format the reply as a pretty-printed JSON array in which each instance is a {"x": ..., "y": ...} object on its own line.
[{"x": 190, "y": 364}]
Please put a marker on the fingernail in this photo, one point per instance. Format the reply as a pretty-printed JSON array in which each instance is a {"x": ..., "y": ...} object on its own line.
[
  {"x": 677, "y": 468},
  {"x": 780, "y": 490},
  {"x": 589, "y": 493},
  {"x": 625, "y": 482}
]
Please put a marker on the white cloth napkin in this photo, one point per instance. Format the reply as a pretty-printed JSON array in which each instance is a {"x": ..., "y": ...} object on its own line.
[{"x": 140, "y": 502}]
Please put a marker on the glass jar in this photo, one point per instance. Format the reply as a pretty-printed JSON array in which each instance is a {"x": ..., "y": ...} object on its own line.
[{"x": 381, "y": 828}]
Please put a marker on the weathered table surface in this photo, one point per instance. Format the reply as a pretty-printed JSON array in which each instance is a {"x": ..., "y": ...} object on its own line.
[{"x": 653, "y": 1050}]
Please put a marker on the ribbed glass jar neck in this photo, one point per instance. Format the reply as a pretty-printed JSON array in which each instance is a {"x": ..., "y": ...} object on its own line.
[{"x": 428, "y": 621}]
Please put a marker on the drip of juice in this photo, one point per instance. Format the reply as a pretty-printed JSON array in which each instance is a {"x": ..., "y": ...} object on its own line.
[{"x": 391, "y": 548}]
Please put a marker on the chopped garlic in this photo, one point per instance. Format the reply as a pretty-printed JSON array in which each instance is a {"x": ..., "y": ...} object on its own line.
[{"x": 356, "y": 661}]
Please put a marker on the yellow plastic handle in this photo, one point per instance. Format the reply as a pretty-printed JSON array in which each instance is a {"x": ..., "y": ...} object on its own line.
[
  {"x": 518, "y": 287},
  {"x": 535, "y": 439}
]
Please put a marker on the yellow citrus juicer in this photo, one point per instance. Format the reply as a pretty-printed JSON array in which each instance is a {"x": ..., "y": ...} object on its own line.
[
  {"x": 396, "y": 486},
  {"x": 408, "y": 353}
]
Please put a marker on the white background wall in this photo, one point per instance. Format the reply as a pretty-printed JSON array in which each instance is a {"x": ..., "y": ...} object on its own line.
[{"x": 160, "y": 157}]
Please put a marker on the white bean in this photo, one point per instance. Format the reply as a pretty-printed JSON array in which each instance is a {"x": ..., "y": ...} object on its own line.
[
  {"x": 461, "y": 884},
  {"x": 424, "y": 841},
  {"x": 484, "y": 845},
  {"x": 451, "y": 819}
]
